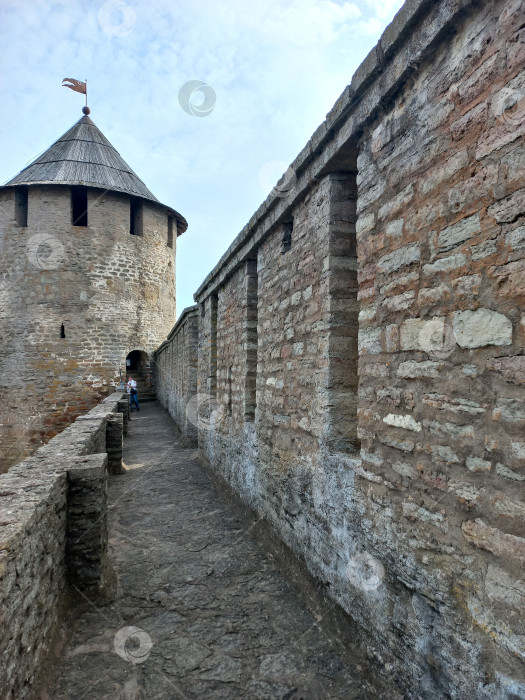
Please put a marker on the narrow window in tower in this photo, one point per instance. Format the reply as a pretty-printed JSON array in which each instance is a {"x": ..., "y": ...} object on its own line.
[
  {"x": 79, "y": 206},
  {"x": 21, "y": 206},
  {"x": 135, "y": 217},
  {"x": 171, "y": 225},
  {"x": 62, "y": 331},
  {"x": 286, "y": 241}
]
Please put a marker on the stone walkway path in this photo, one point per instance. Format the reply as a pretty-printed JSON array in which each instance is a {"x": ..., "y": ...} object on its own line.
[{"x": 213, "y": 618}]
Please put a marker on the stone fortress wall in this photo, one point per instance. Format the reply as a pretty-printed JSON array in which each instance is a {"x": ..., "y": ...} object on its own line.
[
  {"x": 176, "y": 373},
  {"x": 112, "y": 293},
  {"x": 360, "y": 361},
  {"x": 54, "y": 539}
]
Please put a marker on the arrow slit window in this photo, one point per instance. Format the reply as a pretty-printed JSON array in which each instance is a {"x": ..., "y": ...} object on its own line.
[
  {"x": 79, "y": 206},
  {"x": 21, "y": 206},
  {"x": 135, "y": 217}
]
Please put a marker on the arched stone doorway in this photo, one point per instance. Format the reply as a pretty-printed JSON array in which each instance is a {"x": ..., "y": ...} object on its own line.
[
  {"x": 137, "y": 361},
  {"x": 139, "y": 366}
]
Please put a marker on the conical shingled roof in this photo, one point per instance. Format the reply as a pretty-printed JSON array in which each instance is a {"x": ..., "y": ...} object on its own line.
[{"x": 84, "y": 156}]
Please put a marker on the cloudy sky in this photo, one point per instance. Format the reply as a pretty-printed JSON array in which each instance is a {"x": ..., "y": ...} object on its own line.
[{"x": 275, "y": 68}]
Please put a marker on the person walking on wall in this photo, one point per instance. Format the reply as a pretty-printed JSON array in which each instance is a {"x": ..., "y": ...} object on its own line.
[{"x": 131, "y": 388}]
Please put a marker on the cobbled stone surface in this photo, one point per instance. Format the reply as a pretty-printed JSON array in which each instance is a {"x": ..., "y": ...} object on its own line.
[{"x": 223, "y": 623}]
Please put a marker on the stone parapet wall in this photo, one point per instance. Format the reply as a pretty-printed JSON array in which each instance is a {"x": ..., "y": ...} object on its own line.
[
  {"x": 53, "y": 540},
  {"x": 176, "y": 373},
  {"x": 384, "y": 438}
]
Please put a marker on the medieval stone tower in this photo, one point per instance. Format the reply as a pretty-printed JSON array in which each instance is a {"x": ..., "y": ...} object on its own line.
[{"x": 87, "y": 275}]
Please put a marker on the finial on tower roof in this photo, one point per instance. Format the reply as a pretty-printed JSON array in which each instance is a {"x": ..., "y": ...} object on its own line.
[{"x": 86, "y": 110}]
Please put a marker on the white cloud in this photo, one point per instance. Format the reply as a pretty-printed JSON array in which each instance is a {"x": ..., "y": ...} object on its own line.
[{"x": 277, "y": 66}]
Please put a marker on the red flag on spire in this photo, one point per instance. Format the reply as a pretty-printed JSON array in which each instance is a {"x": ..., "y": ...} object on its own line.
[{"x": 76, "y": 85}]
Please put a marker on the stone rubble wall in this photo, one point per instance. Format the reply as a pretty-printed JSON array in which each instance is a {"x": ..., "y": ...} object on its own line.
[
  {"x": 386, "y": 447},
  {"x": 53, "y": 539},
  {"x": 176, "y": 373},
  {"x": 112, "y": 292}
]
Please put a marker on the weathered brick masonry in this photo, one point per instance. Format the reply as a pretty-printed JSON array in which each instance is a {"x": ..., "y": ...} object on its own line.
[
  {"x": 392, "y": 463},
  {"x": 53, "y": 538}
]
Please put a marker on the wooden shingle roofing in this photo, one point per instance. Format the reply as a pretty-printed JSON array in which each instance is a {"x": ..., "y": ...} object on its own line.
[{"x": 84, "y": 156}]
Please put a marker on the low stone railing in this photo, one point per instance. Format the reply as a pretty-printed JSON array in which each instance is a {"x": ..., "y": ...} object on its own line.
[{"x": 53, "y": 537}]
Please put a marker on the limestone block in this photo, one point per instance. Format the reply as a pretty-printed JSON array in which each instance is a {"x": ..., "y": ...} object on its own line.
[
  {"x": 501, "y": 134},
  {"x": 395, "y": 228},
  {"x": 484, "y": 250},
  {"x": 399, "y": 421},
  {"x": 404, "y": 469},
  {"x": 403, "y": 445},
  {"x": 518, "y": 450},
  {"x": 445, "y": 264},
  {"x": 476, "y": 464},
  {"x": 509, "y": 208},
  {"x": 445, "y": 171},
  {"x": 374, "y": 369},
  {"x": 432, "y": 295},
  {"x": 503, "y": 588},
  {"x": 365, "y": 223},
  {"x": 490, "y": 538},
  {"x": 516, "y": 239},
  {"x": 400, "y": 282},
  {"x": 476, "y": 329},
  {"x": 400, "y": 301},
  {"x": 449, "y": 429},
  {"x": 417, "y": 370},
  {"x": 397, "y": 203},
  {"x": 456, "y": 405},
  {"x": 504, "y": 471},
  {"x": 369, "y": 341},
  {"x": 399, "y": 258},
  {"x": 413, "y": 512},
  {"x": 458, "y": 233},
  {"x": 468, "y": 285}
]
